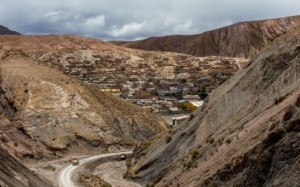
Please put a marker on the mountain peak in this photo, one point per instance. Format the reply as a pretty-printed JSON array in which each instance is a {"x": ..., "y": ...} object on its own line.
[{"x": 7, "y": 31}]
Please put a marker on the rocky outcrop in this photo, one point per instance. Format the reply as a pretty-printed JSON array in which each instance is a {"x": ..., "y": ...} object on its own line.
[
  {"x": 59, "y": 113},
  {"x": 242, "y": 40},
  {"x": 14, "y": 174},
  {"x": 6, "y": 31},
  {"x": 247, "y": 134}
]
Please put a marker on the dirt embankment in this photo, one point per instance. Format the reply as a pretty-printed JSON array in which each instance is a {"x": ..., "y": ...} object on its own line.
[{"x": 15, "y": 174}]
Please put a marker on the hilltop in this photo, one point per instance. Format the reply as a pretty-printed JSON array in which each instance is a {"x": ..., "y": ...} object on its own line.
[{"x": 242, "y": 40}]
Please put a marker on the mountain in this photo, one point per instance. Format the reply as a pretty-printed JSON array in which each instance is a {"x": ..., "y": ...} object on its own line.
[
  {"x": 247, "y": 134},
  {"x": 241, "y": 40},
  {"x": 6, "y": 31}
]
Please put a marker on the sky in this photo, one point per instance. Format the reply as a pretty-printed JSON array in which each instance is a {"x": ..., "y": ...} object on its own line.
[{"x": 136, "y": 19}]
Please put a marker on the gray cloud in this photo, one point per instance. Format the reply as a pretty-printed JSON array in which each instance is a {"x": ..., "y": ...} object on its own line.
[{"x": 135, "y": 19}]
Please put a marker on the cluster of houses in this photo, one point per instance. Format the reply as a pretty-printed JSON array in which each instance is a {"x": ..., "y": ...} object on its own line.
[{"x": 174, "y": 84}]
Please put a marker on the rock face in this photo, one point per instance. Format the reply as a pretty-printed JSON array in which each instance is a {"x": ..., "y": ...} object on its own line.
[
  {"x": 241, "y": 40},
  {"x": 247, "y": 134},
  {"x": 14, "y": 174},
  {"x": 6, "y": 31},
  {"x": 57, "y": 113}
]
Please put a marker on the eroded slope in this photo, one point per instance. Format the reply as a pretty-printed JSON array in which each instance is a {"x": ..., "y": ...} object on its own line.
[
  {"x": 247, "y": 134},
  {"x": 14, "y": 174},
  {"x": 52, "y": 112}
]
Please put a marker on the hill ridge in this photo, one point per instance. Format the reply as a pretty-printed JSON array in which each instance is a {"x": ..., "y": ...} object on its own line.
[{"x": 242, "y": 39}]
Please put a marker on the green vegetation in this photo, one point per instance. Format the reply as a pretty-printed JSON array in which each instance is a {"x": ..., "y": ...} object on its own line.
[
  {"x": 194, "y": 153},
  {"x": 105, "y": 184},
  {"x": 281, "y": 98},
  {"x": 150, "y": 184},
  {"x": 89, "y": 180}
]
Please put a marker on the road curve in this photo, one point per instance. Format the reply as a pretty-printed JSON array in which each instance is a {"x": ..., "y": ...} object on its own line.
[{"x": 64, "y": 178}]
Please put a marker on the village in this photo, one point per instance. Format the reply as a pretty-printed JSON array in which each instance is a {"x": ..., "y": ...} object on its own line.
[{"x": 172, "y": 84}]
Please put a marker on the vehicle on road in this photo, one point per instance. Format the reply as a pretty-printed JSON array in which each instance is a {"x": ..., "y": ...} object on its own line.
[
  {"x": 122, "y": 157},
  {"x": 75, "y": 162}
]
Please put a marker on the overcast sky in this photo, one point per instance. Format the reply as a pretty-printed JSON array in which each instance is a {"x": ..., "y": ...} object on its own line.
[{"x": 135, "y": 19}]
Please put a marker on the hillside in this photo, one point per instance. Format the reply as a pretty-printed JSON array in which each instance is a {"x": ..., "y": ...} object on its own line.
[
  {"x": 6, "y": 31},
  {"x": 100, "y": 63},
  {"x": 242, "y": 40},
  {"x": 50, "y": 113},
  {"x": 247, "y": 134},
  {"x": 14, "y": 174}
]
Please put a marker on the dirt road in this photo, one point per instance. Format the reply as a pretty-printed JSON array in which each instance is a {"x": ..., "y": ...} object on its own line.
[{"x": 65, "y": 176}]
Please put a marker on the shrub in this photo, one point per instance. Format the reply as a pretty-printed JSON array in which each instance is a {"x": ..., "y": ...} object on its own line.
[
  {"x": 210, "y": 140},
  {"x": 3, "y": 139},
  {"x": 298, "y": 102},
  {"x": 125, "y": 175},
  {"x": 150, "y": 184},
  {"x": 195, "y": 154},
  {"x": 228, "y": 141},
  {"x": 168, "y": 139},
  {"x": 105, "y": 184},
  {"x": 188, "y": 165},
  {"x": 136, "y": 172},
  {"x": 281, "y": 98}
]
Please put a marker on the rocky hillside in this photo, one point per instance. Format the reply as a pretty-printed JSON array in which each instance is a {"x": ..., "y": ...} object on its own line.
[
  {"x": 14, "y": 174},
  {"x": 247, "y": 134},
  {"x": 242, "y": 40},
  {"x": 99, "y": 63},
  {"x": 49, "y": 113},
  {"x": 6, "y": 31}
]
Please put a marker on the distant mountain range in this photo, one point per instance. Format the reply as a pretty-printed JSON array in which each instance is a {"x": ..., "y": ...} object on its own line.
[
  {"x": 7, "y": 31},
  {"x": 242, "y": 39}
]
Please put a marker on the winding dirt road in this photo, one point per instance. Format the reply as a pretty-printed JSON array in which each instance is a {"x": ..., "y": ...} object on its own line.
[{"x": 65, "y": 176}]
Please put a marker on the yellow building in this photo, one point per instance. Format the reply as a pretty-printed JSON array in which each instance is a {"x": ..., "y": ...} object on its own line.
[
  {"x": 113, "y": 92},
  {"x": 192, "y": 105}
]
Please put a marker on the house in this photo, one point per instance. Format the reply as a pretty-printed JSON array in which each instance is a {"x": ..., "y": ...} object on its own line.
[
  {"x": 191, "y": 98},
  {"x": 179, "y": 120},
  {"x": 113, "y": 92},
  {"x": 192, "y": 105},
  {"x": 174, "y": 110}
]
